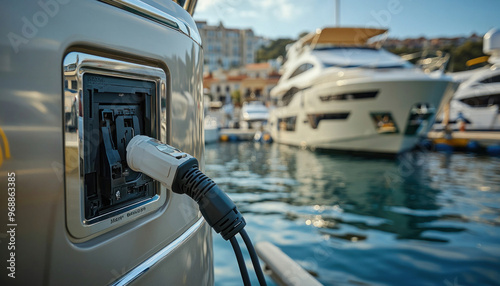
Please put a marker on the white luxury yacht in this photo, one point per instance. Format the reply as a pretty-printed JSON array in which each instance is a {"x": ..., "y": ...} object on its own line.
[
  {"x": 253, "y": 115},
  {"x": 477, "y": 100},
  {"x": 339, "y": 92}
]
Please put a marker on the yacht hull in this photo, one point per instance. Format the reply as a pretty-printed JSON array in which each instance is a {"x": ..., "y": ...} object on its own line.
[
  {"x": 478, "y": 118},
  {"x": 347, "y": 122}
]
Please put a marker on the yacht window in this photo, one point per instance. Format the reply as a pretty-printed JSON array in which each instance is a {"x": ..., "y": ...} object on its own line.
[
  {"x": 288, "y": 96},
  {"x": 482, "y": 101},
  {"x": 287, "y": 123},
  {"x": 330, "y": 48},
  {"x": 315, "y": 119},
  {"x": 493, "y": 79},
  {"x": 329, "y": 65},
  {"x": 349, "y": 96},
  {"x": 420, "y": 113},
  {"x": 384, "y": 123},
  {"x": 301, "y": 69}
]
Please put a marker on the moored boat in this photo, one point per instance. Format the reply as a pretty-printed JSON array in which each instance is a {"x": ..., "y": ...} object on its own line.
[
  {"x": 476, "y": 104},
  {"x": 340, "y": 91}
]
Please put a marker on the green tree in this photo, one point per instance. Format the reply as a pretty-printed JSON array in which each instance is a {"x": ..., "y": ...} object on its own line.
[
  {"x": 465, "y": 52},
  {"x": 275, "y": 49},
  {"x": 236, "y": 96}
]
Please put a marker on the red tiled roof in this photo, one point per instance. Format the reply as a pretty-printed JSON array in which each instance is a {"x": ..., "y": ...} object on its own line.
[
  {"x": 236, "y": 78},
  {"x": 257, "y": 66}
]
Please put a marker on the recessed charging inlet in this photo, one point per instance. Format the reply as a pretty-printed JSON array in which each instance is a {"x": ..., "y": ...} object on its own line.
[{"x": 110, "y": 101}]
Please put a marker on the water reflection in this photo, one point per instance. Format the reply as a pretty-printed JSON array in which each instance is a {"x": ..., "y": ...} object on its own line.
[
  {"x": 350, "y": 191},
  {"x": 333, "y": 211}
]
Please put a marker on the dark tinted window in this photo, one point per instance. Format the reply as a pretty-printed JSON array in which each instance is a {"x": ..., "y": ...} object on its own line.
[
  {"x": 349, "y": 96},
  {"x": 287, "y": 123},
  {"x": 288, "y": 96},
  {"x": 384, "y": 123},
  {"x": 301, "y": 69},
  {"x": 329, "y": 65},
  {"x": 482, "y": 101},
  {"x": 493, "y": 79},
  {"x": 315, "y": 119},
  {"x": 419, "y": 113}
]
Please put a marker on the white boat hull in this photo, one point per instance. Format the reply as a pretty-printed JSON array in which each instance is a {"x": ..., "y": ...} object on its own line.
[
  {"x": 211, "y": 129},
  {"x": 479, "y": 118},
  {"x": 211, "y": 135},
  {"x": 358, "y": 131}
]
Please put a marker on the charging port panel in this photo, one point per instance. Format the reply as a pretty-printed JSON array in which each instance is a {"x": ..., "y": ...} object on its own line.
[{"x": 115, "y": 110}]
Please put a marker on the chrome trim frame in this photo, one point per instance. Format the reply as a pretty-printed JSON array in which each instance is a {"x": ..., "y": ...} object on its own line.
[
  {"x": 75, "y": 65},
  {"x": 190, "y": 6},
  {"x": 159, "y": 256},
  {"x": 147, "y": 11}
]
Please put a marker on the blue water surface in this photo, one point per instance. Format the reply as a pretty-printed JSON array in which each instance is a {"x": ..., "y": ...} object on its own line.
[{"x": 423, "y": 219}]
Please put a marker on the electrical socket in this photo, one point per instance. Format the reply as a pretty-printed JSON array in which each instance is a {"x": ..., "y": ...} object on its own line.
[{"x": 115, "y": 110}]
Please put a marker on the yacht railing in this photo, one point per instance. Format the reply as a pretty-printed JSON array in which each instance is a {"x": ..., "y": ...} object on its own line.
[{"x": 427, "y": 62}]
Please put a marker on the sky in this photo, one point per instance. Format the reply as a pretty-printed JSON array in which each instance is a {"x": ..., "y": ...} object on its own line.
[{"x": 404, "y": 18}]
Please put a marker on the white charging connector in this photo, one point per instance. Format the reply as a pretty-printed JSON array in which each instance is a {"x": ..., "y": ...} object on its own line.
[
  {"x": 155, "y": 159},
  {"x": 179, "y": 172}
]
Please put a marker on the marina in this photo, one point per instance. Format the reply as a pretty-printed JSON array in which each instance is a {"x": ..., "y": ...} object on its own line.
[
  {"x": 427, "y": 218},
  {"x": 355, "y": 104},
  {"x": 428, "y": 215}
]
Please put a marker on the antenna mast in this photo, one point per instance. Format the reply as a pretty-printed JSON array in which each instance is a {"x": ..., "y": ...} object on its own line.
[{"x": 337, "y": 13}]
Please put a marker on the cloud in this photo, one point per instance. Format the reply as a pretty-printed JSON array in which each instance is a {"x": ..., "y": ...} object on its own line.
[
  {"x": 249, "y": 14},
  {"x": 283, "y": 10},
  {"x": 205, "y": 5},
  {"x": 221, "y": 8}
]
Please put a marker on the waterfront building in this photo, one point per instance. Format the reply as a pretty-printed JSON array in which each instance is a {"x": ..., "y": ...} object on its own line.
[
  {"x": 228, "y": 48},
  {"x": 253, "y": 81}
]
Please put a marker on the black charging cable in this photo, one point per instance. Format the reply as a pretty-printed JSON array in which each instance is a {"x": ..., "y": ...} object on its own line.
[
  {"x": 253, "y": 256},
  {"x": 219, "y": 211},
  {"x": 179, "y": 171},
  {"x": 241, "y": 261}
]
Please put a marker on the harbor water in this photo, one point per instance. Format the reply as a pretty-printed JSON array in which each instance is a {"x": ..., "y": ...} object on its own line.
[{"x": 424, "y": 219}]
